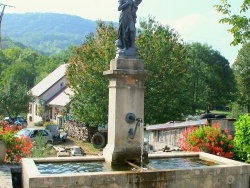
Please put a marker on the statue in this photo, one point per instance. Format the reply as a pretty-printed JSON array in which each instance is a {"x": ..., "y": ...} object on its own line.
[{"x": 126, "y": 32}]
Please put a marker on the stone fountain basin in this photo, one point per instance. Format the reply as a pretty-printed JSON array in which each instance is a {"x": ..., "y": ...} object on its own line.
[{"x": 228, "y": 173}]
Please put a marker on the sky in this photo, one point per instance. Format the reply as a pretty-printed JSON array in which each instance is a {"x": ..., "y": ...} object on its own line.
[{"x": 194, "y": 20}]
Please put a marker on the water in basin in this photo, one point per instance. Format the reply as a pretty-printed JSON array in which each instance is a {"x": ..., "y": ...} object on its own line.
[
  {"x": 79, "y": 167},
  {"x": 101, "y": 166},
  {"x": 179, "y": 163}
]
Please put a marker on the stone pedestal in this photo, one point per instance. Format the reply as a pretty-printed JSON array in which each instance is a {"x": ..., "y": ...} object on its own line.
[{"x": 126, "y": 95}]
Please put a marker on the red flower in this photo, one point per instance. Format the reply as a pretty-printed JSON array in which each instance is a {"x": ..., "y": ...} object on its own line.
[
  {"x": 16, "y": 148},
  {"x": 230, "y": 137},
  {"x": 226, "y": 130},
  {"x": 207, "y": 138}
]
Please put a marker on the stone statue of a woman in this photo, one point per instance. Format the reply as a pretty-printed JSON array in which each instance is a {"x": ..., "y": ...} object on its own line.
[{"x": 126, "y": 32}]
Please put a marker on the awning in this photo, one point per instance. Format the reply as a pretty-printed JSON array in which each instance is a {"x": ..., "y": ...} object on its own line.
[{"x": 62, "y": 98}]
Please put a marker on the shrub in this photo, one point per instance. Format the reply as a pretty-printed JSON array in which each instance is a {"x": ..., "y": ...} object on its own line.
[
  {"x": 16, "y": 148},
  {"x": 242, "y": 138},
  {"x": 40, "y": 147},
  {"x": 208, "y": 139}
]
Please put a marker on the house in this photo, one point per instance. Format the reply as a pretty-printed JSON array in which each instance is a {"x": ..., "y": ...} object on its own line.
[
  {"x": 51, "y": 95},
  {"x": 167, "y": 135}
]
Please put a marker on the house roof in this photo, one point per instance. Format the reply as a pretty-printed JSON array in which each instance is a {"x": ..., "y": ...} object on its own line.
[
  {"x": 49, "y": 81},
  {"x": 175, "y": 125},
  {"x": 62, "y": 98}
]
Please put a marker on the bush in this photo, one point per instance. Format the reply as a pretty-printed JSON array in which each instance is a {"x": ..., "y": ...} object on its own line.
[
  {"x": 40, "y": 147},
  {"x": 242, "y": 138},
  {"x": 16, "y": 148},
  {"x": 208, "y": 139}
]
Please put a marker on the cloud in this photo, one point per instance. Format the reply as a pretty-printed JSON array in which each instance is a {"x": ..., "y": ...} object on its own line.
[
  {"x": 206, "y": 29},
  {"x": 183, "y": 24}
]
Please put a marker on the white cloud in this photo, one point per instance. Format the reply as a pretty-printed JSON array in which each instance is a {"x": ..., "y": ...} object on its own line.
[{"x": 183, "y": 24}]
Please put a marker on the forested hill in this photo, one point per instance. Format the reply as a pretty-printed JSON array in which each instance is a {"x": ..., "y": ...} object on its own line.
[{"x": 46, "y": 32}]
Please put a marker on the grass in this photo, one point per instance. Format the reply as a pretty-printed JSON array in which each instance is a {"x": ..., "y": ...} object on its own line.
[{"x": 89, "y": 149}]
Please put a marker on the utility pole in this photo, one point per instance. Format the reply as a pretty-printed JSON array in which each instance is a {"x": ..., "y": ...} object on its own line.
[{"x": 1, "y": 17}]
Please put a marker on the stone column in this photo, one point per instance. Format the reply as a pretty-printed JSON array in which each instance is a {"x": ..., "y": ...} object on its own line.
[{"x": 126, "y": 95}]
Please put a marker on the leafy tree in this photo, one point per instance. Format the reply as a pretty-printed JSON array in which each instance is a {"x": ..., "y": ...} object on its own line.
[
  {"x": 242, "y": 72},
  {"x": 85, "y": 75},
  {"x": 14, "y": 98},
  {"x": 2, "y": 61},
  {"x": 197, "y": 55},
  {"x": 164, "y": 56},
  {"x": 12, "y": 54},
  {"x": 167, "y": 93},
  {"x": 240, "y": 22},
  {"x": 18, "y": 72},
  {"x": 210, "y": 76},
  {"x": 22, "y": 64},
  {"x": 164, "y": 59},
  {"x": 22, "y": 73}
]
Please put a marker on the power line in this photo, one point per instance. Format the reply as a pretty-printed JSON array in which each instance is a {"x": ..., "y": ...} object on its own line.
[{"x": 1, "y": 17}]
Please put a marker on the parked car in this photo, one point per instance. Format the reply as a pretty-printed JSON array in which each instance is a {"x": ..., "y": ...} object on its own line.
[
  {"x": 17, "y": 121},
  {"x": 57, "y": 135},
  {"x": 33, "y": 133}
]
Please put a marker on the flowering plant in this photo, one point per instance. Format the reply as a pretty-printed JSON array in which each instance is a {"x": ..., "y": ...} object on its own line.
[
  {"x": 209, "y": 139},
  {"x": 16, "y": 148}
]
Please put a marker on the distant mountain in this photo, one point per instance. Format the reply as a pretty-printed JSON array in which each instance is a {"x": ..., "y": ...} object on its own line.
[{"x": 46, "y": 32}]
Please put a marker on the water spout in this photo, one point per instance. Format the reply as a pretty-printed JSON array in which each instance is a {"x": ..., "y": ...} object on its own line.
[{"x": 132, "y": 131}]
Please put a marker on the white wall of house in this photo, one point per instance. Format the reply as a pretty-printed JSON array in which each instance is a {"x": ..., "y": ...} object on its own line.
[
  {"x": 51, "y": 113},
  {"x": 45, "y": 91},
  {"x": 53, "y": 90},
  {"x": 33, "y": 115}
]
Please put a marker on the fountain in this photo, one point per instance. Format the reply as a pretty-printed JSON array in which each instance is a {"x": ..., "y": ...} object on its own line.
[{"x": 125, "y": 142}]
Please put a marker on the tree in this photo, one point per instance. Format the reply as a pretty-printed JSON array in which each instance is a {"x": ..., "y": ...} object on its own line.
[
  {"x": 14, "y": 98},
  {"x": 168, "y": 94},
  {"x": 160, "y": 49},
  {"x": 163, "y": 53},
  {"x": 240, "y": 22},
  {"x": 85, "y": 75},
  {"x": 18, "y": 73},
  {"x": 242, "y": 72},
  {"x": 211, "y": 79},
  {"x": 22, "y": 73}
]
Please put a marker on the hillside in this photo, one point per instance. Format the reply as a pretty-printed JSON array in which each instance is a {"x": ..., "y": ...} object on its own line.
[{"x": 46, "y": 32}]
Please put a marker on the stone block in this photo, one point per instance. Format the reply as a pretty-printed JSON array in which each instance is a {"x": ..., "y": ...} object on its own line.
[{"x": 63, "y": 154}]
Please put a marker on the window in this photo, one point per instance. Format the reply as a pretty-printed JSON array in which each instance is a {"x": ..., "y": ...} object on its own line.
[{"x": 62, "y": 85}]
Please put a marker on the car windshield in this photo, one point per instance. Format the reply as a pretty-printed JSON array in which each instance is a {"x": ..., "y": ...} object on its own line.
[
  {"x": 20, "y": 119},
  {"x": 24, "y": 132}
]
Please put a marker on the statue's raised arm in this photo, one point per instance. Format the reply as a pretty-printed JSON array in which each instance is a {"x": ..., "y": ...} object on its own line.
[{"x": 126, "y": 31}]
